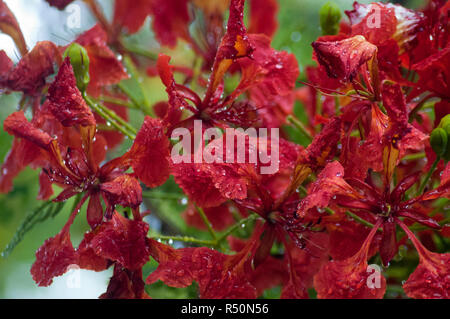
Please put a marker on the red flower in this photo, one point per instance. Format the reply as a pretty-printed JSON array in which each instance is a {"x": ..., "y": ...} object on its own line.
[
  {"x": 9, "y": 25},
  {"x": 349, "y": 278},
  {"x": 30, "y": 73},
  {"x": 343, "y": 59}
]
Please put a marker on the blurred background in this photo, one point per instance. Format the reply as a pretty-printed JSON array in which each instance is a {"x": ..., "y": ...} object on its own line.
[{"x": 298, "y": 27}]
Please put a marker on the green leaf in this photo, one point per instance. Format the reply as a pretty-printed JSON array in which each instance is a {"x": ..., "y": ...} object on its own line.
[{"x": 40, "y": 214}]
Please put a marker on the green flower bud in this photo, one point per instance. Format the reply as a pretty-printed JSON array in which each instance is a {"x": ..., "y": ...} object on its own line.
[
  {"x": 445, "y": 121},
  {"x": 80, "y": 64},
  {"x": 329, "y": 16},
  {"x": 438, "y": 141}
]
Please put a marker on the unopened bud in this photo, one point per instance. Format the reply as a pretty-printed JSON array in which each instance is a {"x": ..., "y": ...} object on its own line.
[
  {"x": 438, "y": 141},
  {"x": 80, "y": 64},
  {"x": 329, "y": 16}
]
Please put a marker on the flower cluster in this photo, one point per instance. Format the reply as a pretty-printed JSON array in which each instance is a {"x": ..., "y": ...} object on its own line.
[{"x": 372, "y": 179}]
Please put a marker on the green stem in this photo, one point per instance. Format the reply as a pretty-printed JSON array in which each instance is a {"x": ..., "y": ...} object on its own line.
[
  {"x": 108, "y": 118},
  {"x": 113, "y": 100},
  {"x": 117, "y": 118},
  {"x": 299, "y": 125},
  {"x": 427, "y": 177},
  {"x": 230, "y": 230},
  {"x": 415, "y": 156},
  {"x": 185, "y": 239},
  {"x": 359, "y": 219},
  {"x": 206, "y": 222}
]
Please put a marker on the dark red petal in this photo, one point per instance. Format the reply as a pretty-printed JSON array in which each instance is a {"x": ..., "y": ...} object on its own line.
[
  {"x": 395, "y": 22},
  {"x": 419, "y": 217},
  {"x": 170, "y": 20},
  {"x": 177, "y": 101},
  {"x": 16, "y": 124},
  {"x": 271, "y": 71},
  {"x": 219, "y": 276},
  {"x": 30, "y": 73},
  {"x": 125, "y": 284},
  {"x": 197, "y": 183},
  {"x": 122, "y": 240},
  {"x": 124, "y": 190},
  {"x": 66, "y": 102},
  {"x": 263, "y": 17},
  {"x": 21, "y": 154},
  {"x": 45, "y": 186},
  {"x": 431, "y": 279},
  {"x": 324, "y": 144},
  {"x": 149, "y": 154},
  {"x": 9, "y": 25},
  {"x": 434, "y": 73},
  {"x": 388, "y": 245},
  {"x": 234, "y": 44},
  {"x": 329, "y": 184},
  {"x": 131, "y": 15},
  {"x": 363, "y": 18},
  {"x": 443, "y": 190},
  {"x": 6, "y": 65},
  {"x": 346, "y": 238},
  {"x": 94, "y": 210},
  {"x": 348, "y": 279},
  {"x": 86, "y": 256},
  {"x": 343, "y": 59},
  {"x": 53, "y": 258},
  {"x": 60, "y": 4}
]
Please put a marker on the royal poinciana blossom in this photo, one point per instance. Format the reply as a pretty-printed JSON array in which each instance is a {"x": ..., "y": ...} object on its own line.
[{"x": 368, "y": 182}]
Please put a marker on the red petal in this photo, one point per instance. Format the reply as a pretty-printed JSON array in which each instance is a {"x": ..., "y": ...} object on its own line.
[
  {"x": 388, "y": 246},
  {"x": 219, "y": 276},
  {"x": 329, "y": 183},
  {"x": 60, "y": 4},
  {"x": 53, "y": 258},
  {"x": 324, "y": 144},
  {"x": 149, "y": 154},
  {"x": 348, "y": 279},
  {"x": 45, "y": 186},
  {"x": 9, "y": 25},
  {"x": 122, "y": 240},
  {"x": 30, "y": 73},
  {"x": 263, "y": 17},
  {"x": 197, "y": 183},
  {"x": 343, "y": 59},
  {"x": 394, "y": 20},
  {"x": 431, "y": 279},
  {"x": 21, "y": 154},
  {"x": 125, "y": 284},
  {"x": 131, "y": 15},
  {"x": 434, "y": 73},
  {"x": 273, "y": 72},
  {"x": 124, "y": 190},
  {"x": 363, "y": 18},
  {"x": 66, "y": 102},
  {"x": 16, "y": 124},
  {"x": 234, "y": 44},
  {"x": 443, "y": 190},
  {"x": 94, "y": 211},
  {"x": 86, "y": 256},
  {"x": 170, "y": 20}
]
